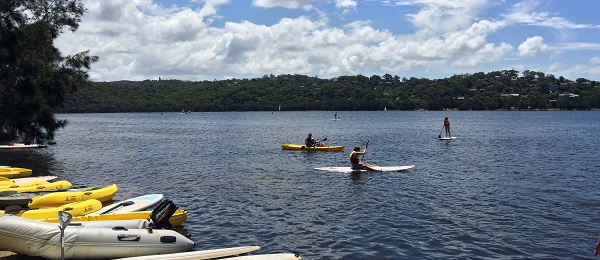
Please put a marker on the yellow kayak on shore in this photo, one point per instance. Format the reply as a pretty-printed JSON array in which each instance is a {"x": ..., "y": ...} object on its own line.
[
  {"x": 333, "y": 148},
  {"x": 15, "y": 172},
  {"x": 75, "y": 209},
  {"x": 19, "y": 169},
  {"x": 51, "y": 186},
  {"x": 62, "y": 197}
]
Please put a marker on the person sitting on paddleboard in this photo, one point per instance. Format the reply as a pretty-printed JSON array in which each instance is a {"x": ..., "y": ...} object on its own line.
[
  {"x": 311, "y": 142},
  {"x": 356, "y": 163}
]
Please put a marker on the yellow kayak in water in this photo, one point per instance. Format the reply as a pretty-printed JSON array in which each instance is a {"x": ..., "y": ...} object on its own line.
[{"x": 333, "y": 148}]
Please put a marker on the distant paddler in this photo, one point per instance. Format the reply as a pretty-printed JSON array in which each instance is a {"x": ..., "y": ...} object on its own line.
[{"x": 447, "y": 127}]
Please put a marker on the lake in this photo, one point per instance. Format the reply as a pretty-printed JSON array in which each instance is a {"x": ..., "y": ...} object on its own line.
[{"x": 513, "y": 185}]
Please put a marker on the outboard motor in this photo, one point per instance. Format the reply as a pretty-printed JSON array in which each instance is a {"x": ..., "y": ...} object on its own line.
[{"x": 161, "y": 214}]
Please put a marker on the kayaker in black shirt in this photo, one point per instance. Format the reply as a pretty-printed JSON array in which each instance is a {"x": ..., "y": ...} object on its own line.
[{"x": 311, "y": 142}]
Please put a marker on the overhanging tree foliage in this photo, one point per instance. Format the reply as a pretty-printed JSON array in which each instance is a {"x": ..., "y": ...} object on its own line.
[{"x": 34, "y": 76}]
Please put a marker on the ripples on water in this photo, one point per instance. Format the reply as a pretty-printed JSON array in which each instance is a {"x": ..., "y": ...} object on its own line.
[{"x": 513, "y": 185}]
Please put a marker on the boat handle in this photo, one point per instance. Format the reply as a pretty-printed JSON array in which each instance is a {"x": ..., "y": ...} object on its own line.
[{"x": 119, "y": 228}]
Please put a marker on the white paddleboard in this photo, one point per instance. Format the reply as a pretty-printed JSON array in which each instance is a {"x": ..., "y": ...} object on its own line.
[
  {"x": 446, "y": 138},
  {"x": 36, "y": 178},
  {"x": 381, "y": 169},
  {"x": 199, "y": 255},
  {"x": 280, "y": 256},
  {"x": 131, "y": 205}
]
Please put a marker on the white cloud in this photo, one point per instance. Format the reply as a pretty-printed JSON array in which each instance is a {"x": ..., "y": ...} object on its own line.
[
  {"x": 488, "y": 53},
  {"x": 345, "y": 3},
  {"x": 210, "y": 7},
  {"x": 139, "y": 39},
  {"x": 575, "y": 46},
  {"x": 445, "y": 15},
  {"x": 533, "y": 46},
  {"x": 179, "y": 43},
  {"x": 292, "y": 4},
  {"x": 595, "y": 60},
  {"x": 523, "y": 12}
]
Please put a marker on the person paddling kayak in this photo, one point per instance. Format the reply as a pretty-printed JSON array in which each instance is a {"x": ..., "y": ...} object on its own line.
[
  {"x": 355, "y": 160},
  {"x": 311, "y": 142}
]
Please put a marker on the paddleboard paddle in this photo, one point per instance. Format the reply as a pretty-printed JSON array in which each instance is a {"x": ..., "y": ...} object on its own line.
[{"x": 366, "y": 146}]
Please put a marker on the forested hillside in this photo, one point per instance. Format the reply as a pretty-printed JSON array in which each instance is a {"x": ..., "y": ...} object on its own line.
[{"x": 497, "y": 90}]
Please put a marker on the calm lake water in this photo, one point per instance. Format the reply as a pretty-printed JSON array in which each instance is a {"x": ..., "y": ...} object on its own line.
[{"x": 513, "y": 185}]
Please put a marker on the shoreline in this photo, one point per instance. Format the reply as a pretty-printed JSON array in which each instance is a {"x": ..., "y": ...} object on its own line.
[{"x": 8, "y": 255}]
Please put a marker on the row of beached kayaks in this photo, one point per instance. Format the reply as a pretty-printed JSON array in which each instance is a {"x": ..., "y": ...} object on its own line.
[{"x": 100, "y": 228}]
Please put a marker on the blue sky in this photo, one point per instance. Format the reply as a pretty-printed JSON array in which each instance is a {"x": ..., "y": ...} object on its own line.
[{"x": 223, "y": 39}]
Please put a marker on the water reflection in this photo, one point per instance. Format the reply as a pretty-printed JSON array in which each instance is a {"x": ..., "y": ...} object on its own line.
[
  {"x": 41, "y": 160},
  {"x": 355, "y": 176}
]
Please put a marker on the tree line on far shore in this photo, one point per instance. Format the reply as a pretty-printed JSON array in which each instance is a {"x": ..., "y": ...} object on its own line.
[{"x": 496, "y": 90}]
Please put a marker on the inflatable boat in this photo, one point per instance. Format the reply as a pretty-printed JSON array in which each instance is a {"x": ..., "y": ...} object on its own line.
[{"x": 92, "y": 241}]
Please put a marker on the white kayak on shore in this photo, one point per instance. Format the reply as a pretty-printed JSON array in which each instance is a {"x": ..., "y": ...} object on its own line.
[
  {"x": 22, "y": 180},
  {"x": 130, "y": 205}
]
